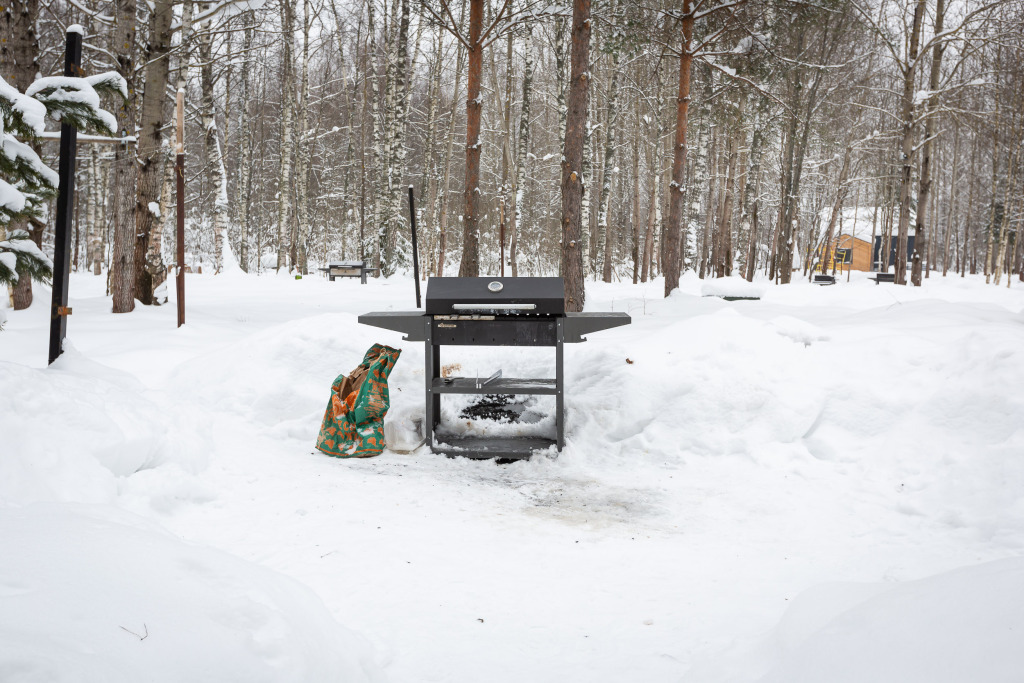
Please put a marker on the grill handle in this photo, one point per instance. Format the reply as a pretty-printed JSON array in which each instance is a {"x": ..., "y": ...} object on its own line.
[{"x": 494, "y": 307}]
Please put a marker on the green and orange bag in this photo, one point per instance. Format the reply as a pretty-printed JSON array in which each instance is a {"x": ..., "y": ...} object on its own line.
[{"x": 353, "y": 425}]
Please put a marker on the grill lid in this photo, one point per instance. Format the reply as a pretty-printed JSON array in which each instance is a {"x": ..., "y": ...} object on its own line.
[{"x": 495, "y": 295}]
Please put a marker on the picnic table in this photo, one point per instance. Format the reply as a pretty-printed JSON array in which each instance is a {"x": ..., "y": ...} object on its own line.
[{"x": 358, "y": 269}]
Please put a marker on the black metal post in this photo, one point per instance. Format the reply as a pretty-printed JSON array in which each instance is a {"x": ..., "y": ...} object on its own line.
[
  {"x": 179, "y": 234},
  {"x": 65, "y": 208},
  {"x": 415, "y": 255}
]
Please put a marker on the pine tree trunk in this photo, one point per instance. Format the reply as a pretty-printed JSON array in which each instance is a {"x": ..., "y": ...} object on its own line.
[
  {"x": 122, "y": 266},
  {"x": 673, "y": 265},
  {"x": 19, "y": 56},
  {"x": 572, "y": 165},
  {"x": 470, "y": 266}
]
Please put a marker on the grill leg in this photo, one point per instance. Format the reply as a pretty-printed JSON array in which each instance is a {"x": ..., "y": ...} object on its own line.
[
  {"x": 429, "y": 372},
  {"x": 436, "y": 407},
  {"x": 560, "y": 388}
]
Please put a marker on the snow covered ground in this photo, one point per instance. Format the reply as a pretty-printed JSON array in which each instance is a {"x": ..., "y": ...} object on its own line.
[{"x": 826, "y": 484}]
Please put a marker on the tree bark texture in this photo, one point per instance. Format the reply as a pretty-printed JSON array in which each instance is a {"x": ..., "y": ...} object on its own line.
[
  {"x": 573, "y": 264},
  {"x": 673, "y": 263},
  {"x": 284, "y": 184},
  {"x": 470, "y": 266},
  {"x": 907, "y": 142},
  {"x": 19, "y": 55},
  {"x": 211, "y": 144},
  {"x": 150, "y": 271},
  {"x": 521, "y": 156},
  {"x": 930, "y": 126},
  {"x": 122, "y": 265}
]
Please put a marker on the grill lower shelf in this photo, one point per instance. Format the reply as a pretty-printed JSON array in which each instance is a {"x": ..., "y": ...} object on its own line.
[
  {"x": 502, "y": 385},
  {"x": 483, "y": 448}
]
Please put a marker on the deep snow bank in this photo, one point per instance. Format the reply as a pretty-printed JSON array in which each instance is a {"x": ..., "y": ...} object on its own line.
[
  {"x": 962, "y": 625},
  {"x": 82, "y": 582},
  {"x": 90, "y": 594}
]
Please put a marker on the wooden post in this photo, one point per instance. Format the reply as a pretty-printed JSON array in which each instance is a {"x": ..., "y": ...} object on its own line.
[
  {"x": 179, "y": 172},
  {"x": 65, "y": 204}
]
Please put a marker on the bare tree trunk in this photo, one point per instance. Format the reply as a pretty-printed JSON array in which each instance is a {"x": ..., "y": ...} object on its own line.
[
  {"x": 603, "y": 224},
  {"x": 244, "y": 170},
  {"x": 391, "y": 222},
  {"x": 931, "y": 123},
  {"x": 521, "y": 155},
  {"x": 470, "y": 266},
  {"x": 149, "y": 268},
  {"x": 428, "y": 186},
  {"x": 953, "y": 195},
  {"x": 572, "y": 165},
  {"x": 652, "y": 215},
  {"x": 302, "y": 158},
  {"x": 636, "y": 194},
  {"x": 287, "y": 132},
  {"x": 443, "y": 221},
  {"x": 122, "y": 266},
  {"x": 907, "y": 142},
  {"x": 826, "y": 248},
  {"x": 672, "y": 264},
  {"x": 97, "y": 201},
  {"x": 211, "y": 140},
  {"x": 995, "y": 189}
]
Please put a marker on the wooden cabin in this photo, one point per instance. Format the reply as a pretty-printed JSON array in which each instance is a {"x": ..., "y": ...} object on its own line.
[
  {"x": 854, "y": 253},
  {"x": 856, "y": 242}
]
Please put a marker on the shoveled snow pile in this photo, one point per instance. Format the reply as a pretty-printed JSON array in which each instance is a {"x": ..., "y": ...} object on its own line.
[{"x": 748, "y": 489}]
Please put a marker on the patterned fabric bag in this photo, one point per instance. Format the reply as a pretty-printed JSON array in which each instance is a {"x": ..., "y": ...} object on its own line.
[{"x": 353, "y": 425}]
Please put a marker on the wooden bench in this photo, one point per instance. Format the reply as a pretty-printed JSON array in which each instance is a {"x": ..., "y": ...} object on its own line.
[
  {"x": 824, "y": 279},
  {"x": 879, "y": 278},
  {"x": 357, "y": 269}
]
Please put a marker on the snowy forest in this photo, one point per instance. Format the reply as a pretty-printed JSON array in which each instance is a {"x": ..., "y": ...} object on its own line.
[
  {"x": 790, "y": 450},
  {"x": 611, "y": 140}
]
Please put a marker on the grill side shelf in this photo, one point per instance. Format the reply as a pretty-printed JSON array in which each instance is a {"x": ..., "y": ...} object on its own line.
[
  {"x": 502, "y": 385},
  {"x": 413, "y": 324},
  {"x": 578, "y": 324}
]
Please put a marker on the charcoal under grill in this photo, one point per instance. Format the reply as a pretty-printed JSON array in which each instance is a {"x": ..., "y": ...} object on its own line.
[{"x": 493, "y": 311}]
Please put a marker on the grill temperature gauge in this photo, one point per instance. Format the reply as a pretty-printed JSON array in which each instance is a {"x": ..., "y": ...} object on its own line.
[{"x": 495, "y": 286}]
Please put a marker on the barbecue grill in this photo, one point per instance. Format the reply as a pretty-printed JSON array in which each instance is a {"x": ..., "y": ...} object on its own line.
[{"x": 493, "y": 311}]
